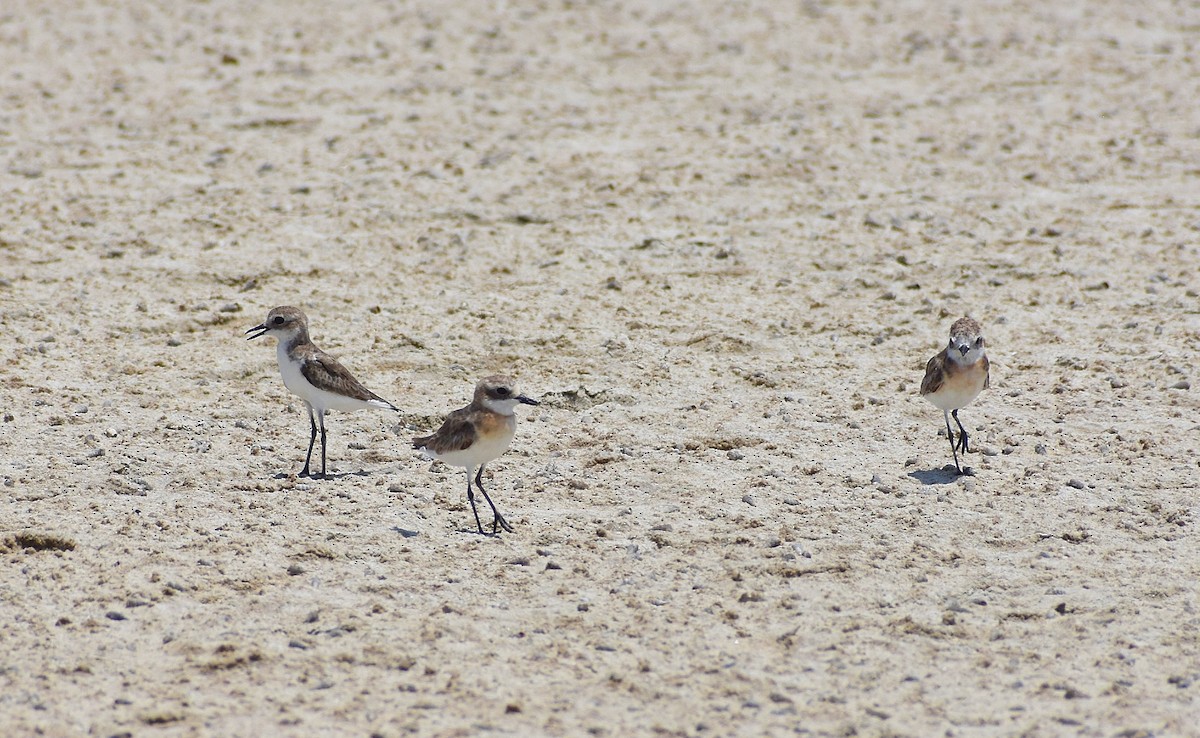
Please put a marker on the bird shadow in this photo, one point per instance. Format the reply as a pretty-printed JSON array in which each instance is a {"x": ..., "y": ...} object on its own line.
[
  {"x": 946, "y": 475},
  {"x": 475, "y": 532},
  {"x": 322, "y": 477}
]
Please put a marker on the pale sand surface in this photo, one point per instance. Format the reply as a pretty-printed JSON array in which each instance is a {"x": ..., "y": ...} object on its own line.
[{"x": 719, "y": 240}]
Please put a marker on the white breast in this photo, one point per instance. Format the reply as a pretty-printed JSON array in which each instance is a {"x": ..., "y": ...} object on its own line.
[
  {"x": 959, "y": 388},
  {"x": 290, "y": 369},
  {"x": 482, "y": 451},
  {"x": 955, "y": 396}
]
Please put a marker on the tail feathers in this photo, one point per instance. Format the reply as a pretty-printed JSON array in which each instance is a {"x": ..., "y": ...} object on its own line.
[{"x": 420, "y": 443}]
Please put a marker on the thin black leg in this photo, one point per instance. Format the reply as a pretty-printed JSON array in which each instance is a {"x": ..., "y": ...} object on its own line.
[
  {"x": 953, "y": 444},
  {"x": 471, "y": 499},
  {"x": 312, "y": 438},
  {"x": 321, "y": 417},
  {"x": 499, "y": 519},
  {"x": 962, "y": 437}
]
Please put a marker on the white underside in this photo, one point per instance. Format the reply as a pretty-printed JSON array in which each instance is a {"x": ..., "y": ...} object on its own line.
[
  {"x": 480, "y": 452},
  {"x": 320, "y": 400},
  {"x": 953, "y": 398}
]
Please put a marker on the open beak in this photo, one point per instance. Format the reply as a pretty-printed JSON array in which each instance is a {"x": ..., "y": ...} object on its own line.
[
  {"x": 261, "y": 328},
  {"x": 527, "y": 400}
]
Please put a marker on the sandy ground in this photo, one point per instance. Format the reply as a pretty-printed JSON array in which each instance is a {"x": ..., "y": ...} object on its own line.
[{"x": 719, "y": 240}]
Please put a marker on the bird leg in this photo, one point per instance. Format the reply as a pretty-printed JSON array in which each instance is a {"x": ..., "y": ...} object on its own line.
[
  {"x": 321, "y": 417},
  {"x": 953, "y": 444},
  {"x": 471, "y": 499},
  {"x": 962, "y": 436},
  {"x": 499, "y": 519},
  {"x": 311, "y": 440}
]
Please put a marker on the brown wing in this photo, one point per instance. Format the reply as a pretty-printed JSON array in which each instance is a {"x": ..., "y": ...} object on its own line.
[
  {"x": 987, "y": 372},
  {"x": 457, "y": 433},
  {"x": 327, "y": 373},
  {"x": 935, "y": 374}
]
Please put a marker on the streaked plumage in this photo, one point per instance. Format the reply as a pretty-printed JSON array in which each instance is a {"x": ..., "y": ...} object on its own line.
[
  {"x": 472, "y": 436},
  {"x": 313, "y": 375}
]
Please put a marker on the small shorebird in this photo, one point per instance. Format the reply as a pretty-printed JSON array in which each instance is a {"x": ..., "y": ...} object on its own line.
[
  {"x": 313, "y": 375},
  {"x": 955, "y": 377},
  {"x": 472, "y": 436}
]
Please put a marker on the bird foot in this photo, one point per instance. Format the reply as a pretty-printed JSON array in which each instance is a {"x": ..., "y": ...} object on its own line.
[{"x": 500, "y": 521}]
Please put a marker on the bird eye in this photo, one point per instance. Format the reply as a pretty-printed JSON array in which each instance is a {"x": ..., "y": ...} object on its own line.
[
  {"x": 278, "y": 320},
  {"x": 503, "y": 391},
  {"x": 979, "y": 341}
]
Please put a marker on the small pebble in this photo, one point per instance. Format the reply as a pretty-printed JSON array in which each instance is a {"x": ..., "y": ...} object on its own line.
[
  {"x": 81, "y": 409},
  {"x": 748, "y": 499},
  {"x": 735, "y": 455},
  {"x": 990, "y": 451},
  {"x": 1076, "y": 484},
  {"x": 1117, "y": 383},
  {"x": 857, "y": 479},
  {"x": 1182, "y": 384},
  {"x": 1040, "y": 449}
]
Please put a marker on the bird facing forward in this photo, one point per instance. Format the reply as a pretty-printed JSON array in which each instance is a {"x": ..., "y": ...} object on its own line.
[{"x": 955, "y": 377}]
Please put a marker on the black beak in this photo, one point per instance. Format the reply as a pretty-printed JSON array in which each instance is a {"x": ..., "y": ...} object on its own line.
[
  {"x": 526, "y": 400},
  {"x": 261, "y": 328},
  {"x": 964, "y": 348}
]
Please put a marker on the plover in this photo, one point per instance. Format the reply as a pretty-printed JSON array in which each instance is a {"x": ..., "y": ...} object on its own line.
[
  {"x": 313, "y": 375},
  {"x": 955, "y": 377},
  {"x": 474, "y": 435}
]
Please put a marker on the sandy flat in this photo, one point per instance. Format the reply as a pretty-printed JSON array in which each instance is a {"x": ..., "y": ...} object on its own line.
[{"x": 719, "y": 241}]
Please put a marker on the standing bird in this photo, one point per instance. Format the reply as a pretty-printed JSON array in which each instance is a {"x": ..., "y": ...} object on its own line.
[
  {"x": 313, "y": 375},
  {"x": 474, "y": 435},
  {"x": 955, "y": 377}
]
